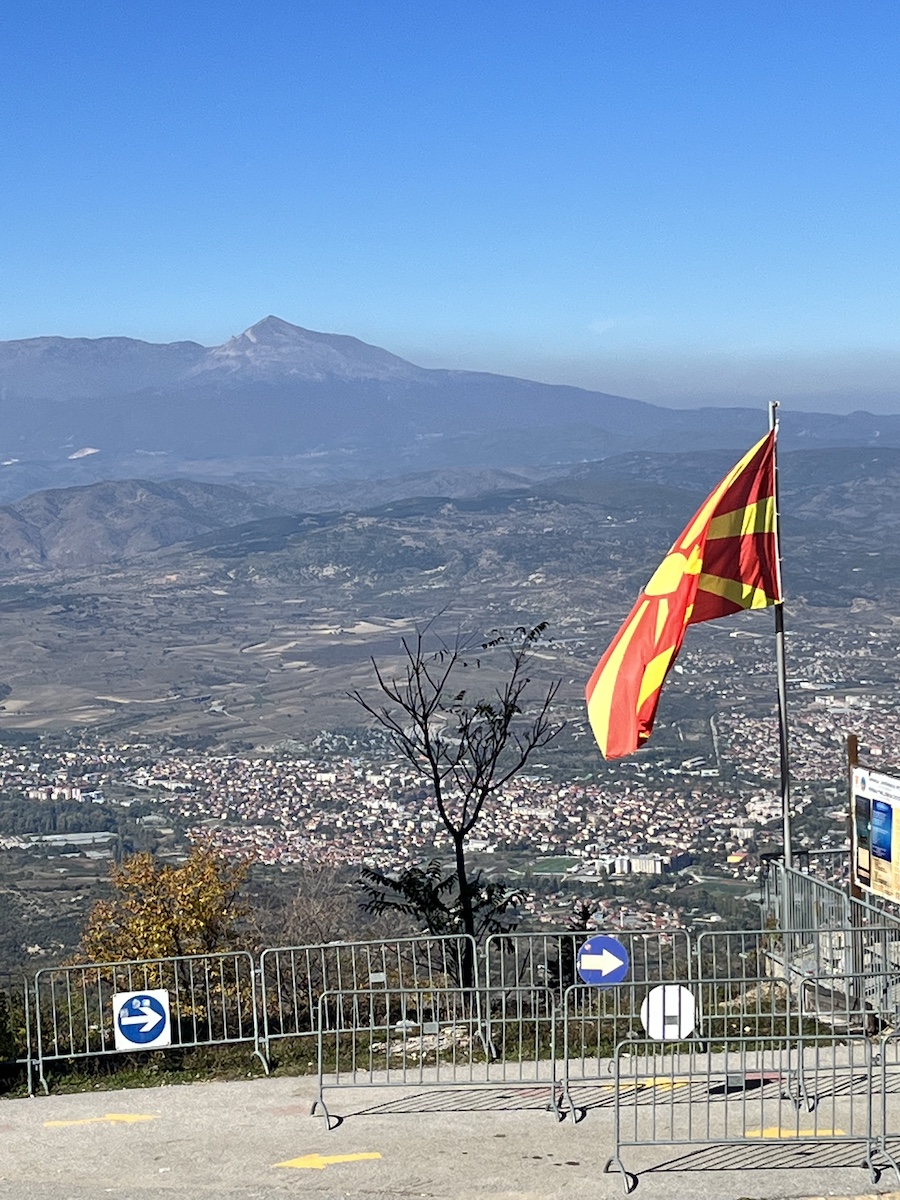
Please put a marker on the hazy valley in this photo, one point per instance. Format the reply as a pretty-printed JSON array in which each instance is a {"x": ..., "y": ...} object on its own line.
[
  {"x": 161, "y": 627},
  {"x": 181, "y": 607}
]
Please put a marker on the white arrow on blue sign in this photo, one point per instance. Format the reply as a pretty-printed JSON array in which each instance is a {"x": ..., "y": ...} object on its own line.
[
  {"x": 603, "y": 961},
  {"x": 141, "y": 1019}
]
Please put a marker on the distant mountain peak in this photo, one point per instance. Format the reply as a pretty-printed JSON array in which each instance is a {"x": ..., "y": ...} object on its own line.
[
  {"x": 273, "y": 328},
  {"x": 275, "y": 349}
]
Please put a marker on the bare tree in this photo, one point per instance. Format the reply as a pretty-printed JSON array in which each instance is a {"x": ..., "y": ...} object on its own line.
[
  {"x": 322, "y": 906},
  {"x": 465, "y": 747}
]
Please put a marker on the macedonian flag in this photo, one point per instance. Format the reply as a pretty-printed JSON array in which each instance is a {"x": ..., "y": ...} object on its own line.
[{"x": 726, "y": 560}]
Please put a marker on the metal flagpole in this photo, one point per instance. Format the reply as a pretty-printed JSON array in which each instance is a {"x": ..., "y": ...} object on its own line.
[{"x": 781, "y": 668}]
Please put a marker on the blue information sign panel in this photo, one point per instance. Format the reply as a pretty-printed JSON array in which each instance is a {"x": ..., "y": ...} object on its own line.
[
  {"x": 603, "y": 961},
  {"x": 141, "y": 1019}
]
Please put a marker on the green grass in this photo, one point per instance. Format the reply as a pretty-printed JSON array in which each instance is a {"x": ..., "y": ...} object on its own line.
[
  {"x": 554, "y": 866},
  {"x": 159, "y": 1068}
]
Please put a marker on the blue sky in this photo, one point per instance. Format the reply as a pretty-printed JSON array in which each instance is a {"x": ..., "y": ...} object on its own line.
[{"x": 679, "y": 200}]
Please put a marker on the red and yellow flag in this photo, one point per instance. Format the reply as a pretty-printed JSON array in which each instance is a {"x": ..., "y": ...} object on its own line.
[{"x": 724, "y": 561}]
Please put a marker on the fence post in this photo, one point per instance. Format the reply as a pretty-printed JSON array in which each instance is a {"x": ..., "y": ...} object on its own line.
[{"x": 856, "y": 892}]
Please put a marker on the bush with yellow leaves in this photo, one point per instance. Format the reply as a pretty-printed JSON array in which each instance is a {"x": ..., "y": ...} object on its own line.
[{"x": 162, "y": 911}]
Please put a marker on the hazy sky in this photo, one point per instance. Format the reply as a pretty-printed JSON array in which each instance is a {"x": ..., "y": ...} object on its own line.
[{"x": 675, "y": 199}]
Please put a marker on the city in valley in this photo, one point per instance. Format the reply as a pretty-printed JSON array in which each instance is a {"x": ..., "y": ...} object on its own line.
[{"x": 634, "y": 840}]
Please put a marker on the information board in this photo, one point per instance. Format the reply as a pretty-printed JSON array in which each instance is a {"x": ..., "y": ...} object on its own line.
[{"x": 876, "y": 832}]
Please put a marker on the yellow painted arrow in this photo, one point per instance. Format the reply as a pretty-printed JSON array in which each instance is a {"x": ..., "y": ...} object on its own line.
[
  {"x": 318, "y": 1162},
  {"x": 114, "y": 1118}
]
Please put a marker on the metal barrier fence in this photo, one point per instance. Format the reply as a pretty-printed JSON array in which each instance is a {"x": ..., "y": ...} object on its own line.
[
  {"x": 294, "y": 978},
  {"x": 549, "y": 959},
  {"x": 785, "y": 1034},
  {"x": 777, "y": 1038},
  {"x": 842, "y": 979},
  {"x": 792, "y": 899},
  {"x": 592, "y": 1019},
  {"x": 16, "y": 1025},
  {"x": 522, "y": 1036},
  {"x": 816, "y": 889},
  {"x": 833, "y": 866},
  {"x": 750, "y": 1090},
  {"x": 212, "y": 1000},
  {"x": 436, "y": 1038}
]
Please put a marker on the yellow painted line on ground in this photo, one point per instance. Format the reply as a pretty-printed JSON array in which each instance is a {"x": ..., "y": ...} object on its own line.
[
  {"x": 859, "y": 1196},
  {"x": 318, "y": 1162},
  {"x": 774, "y": 1131},
  {"x": 112, "y": 1118}
]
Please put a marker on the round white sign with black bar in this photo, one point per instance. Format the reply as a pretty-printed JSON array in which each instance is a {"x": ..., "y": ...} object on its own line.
[
  {"x": 141, "y": 1020},
  {"x": 669, "y": 1013}
]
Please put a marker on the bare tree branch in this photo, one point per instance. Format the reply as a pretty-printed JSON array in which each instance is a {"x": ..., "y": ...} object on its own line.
[{"x": 467, "y": 747}]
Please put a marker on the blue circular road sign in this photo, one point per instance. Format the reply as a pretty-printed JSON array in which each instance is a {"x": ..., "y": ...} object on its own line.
[
  {"x": 603, "y": 961},
  {"x": 142, "y": 1018}
]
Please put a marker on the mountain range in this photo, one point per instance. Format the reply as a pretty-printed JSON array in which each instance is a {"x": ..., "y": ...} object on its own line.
[
  {"x": 848, "y": 495},
  {"x": 286, "y": 403}
]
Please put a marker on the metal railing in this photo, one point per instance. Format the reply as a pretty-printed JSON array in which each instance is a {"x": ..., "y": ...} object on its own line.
[
  {"x": 817, "y": 875},
  {"x": 212, "y": 1000},
  {"x": 436, "y": 1038},
  {"x": 16, "y": 1025},
  {"x": 793, "y": 899},
  {"x": 789, "y": 1039},
  {"x": 294, "y": 978},
  {"x": 750, "y": 1090},
  {"x": 788, "y": 1033}
]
